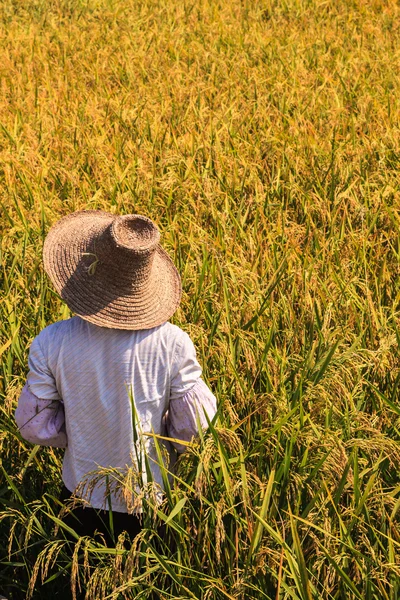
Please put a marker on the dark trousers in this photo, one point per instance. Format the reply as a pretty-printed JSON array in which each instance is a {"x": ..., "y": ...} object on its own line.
[{"x": 86, "y": 521}]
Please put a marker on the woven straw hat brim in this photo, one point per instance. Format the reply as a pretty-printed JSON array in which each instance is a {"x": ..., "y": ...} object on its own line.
[{"x": 99, "y": 291}]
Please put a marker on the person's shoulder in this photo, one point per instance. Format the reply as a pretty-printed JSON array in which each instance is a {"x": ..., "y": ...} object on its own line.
[
  {"x": 55, "y": 330},
  {"x": 179, "y": 340},
  {"x": 174, "y": 332},
  {"x": 62, "y": 326},
  {"x": 171, "y": 329}
]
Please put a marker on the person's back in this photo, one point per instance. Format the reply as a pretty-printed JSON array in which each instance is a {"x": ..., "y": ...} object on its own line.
[{"x": 95, "y": 389}]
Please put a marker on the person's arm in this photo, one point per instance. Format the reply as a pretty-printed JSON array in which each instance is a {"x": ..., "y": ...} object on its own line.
[
  {"x": 189, "y": 397},
  {"x": 187, "y": 412},
  {"x": 40, "y": 412},
  {"x": 41, "y": 421}
]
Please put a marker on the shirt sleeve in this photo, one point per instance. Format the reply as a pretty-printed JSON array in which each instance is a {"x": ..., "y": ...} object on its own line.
[
  {"x": 40, "y": 380},
  {"x": 41, "y": 421},
  {"x": 189, "y": 396},
  {"x": 185, "y": 368},
  {"x": 185, "y": 414}
]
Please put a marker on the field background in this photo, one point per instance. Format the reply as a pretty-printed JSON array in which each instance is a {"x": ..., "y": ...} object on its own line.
[{"x": 263, "y": 138}]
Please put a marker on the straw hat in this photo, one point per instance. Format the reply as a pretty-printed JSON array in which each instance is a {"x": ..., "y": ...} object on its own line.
[{"x": 111, "y": 270}]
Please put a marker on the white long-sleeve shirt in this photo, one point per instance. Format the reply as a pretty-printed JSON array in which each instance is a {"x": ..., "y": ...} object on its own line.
[{"x": 86, "y": 382}]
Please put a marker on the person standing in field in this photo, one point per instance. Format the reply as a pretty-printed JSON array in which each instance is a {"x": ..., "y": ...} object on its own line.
[{"x": 102, "y": 379}]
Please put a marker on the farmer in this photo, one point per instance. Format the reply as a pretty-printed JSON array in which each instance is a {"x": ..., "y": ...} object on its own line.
[{"x": 102, "y": 380}]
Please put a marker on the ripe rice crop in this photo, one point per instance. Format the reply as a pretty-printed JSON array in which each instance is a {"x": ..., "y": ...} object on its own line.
[{"x": 263, "y": 138}]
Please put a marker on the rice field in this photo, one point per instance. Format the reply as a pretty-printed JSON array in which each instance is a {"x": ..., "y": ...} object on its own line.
[{"x": 263, "y": 139}]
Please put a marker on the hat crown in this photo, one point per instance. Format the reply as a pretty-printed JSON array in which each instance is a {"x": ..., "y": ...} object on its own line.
[
  {"x": 126, "y": 250},
  {"x": 134, "y": 234}
]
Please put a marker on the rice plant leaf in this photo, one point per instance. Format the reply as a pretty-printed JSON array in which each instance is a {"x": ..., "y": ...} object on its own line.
[
  {"x": 168, "y": 568},
  {"x": 363, "y": 499},
  {"x": 161, "y": 465},
  {"x": 339, "y": 490},
  {"x": 385, "y": 399},
  {"x": 325, "y": 363},
  {"x": 243, "y": 475},
  {"x": 261, "y": 517},
  {"x": 305, "y": 584},
  {"x": 63, "y": 525},
  {"x": 278, "y": 425},
  {"x": 166, "y": 438},
  {"x": 343, "y": 575},
  {"x": 224, "y": 462},
  {"x": 291, "y": 560},
  {"x": 28, "y": 461},
  {"x": 176, "y": 510},
  {"x": 276, "y": 278},
  {"x": 4, "y": 347},
  {"x": 12, "y": 485}
]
